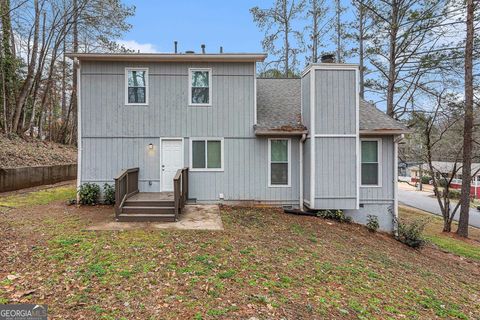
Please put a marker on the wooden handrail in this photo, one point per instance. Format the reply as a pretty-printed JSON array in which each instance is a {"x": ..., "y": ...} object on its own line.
[
  {"x": 126, "y": 184},
  {"x": 180, "y": 190}
]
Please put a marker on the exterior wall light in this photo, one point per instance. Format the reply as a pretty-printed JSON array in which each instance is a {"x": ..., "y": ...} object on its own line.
[{"x": 150, "y": 146}]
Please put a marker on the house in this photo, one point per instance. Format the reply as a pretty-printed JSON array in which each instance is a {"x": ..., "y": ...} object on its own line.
[
  {"x": 309, "y": 142},
  {"x": 445, "y": 169}
]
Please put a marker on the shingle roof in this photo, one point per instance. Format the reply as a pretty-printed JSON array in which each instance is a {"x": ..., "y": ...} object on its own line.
[
  {"x": 372, "y": 119},
  {"x": 278, "y": 105},
  {"x": 279, "y": 110}
]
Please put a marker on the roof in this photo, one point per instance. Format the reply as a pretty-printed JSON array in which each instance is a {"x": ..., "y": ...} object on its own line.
[
  {"x": 166, "y": 57},
  {"x": 447, "y": 167},
  {"x": 279, "y": 111},
  {"x": 375, "y": 121},
  {"x": 278, "y": 107}
]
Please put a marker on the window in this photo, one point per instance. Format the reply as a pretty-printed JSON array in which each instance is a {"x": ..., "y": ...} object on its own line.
[
  {"x": 200, "y": 87},
  {"x": 279, "y": 162},
  {"x": 206, "y": 155},
  {"x": 136, "y": 86},
  {"x": 371, "y": 151}
]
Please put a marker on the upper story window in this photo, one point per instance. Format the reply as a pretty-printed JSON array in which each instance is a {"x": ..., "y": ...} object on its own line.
[
  {"x": 371, "y": 162},
  {"x": 136, "y": 80},
  {"x": 206, "y": 154},
  {"x": 200, "y": 87},
  {"x": 279, "y": 162}
]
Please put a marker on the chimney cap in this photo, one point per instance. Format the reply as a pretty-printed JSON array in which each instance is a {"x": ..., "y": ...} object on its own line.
[{"x": 328, "y": 58}]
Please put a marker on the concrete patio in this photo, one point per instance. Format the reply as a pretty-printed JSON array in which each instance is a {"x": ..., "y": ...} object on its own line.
[{"x": 194, "y": 217}]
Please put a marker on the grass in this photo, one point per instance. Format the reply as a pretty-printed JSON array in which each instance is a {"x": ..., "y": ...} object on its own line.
[
  {"x": 433, "y": 233},
  {"x": 38, "y": 197},
  {"x": 265, "y": 264}
]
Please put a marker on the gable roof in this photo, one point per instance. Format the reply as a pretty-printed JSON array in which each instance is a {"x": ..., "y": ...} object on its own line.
[
  {"x": 278, "y": 106},
  {"x": 279, "y": 111}
]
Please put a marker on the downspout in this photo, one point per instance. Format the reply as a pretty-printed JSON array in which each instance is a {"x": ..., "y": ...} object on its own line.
[
  {"x": 395, "y": 183},
  {"x": 76, "y": 64},
  {"x": 302, "y": 140}
]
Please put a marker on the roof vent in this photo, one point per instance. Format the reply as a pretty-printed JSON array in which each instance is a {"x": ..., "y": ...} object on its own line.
[
  {"x": 221, "y": 49},
  {"x": 189, "y": 52},
  {"x": 175, "y": 44},
  {"x": 328, "y": 58},
  {"x": 203, "y": 48}
]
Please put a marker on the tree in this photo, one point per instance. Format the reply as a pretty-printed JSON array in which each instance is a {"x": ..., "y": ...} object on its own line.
[
  {"x": 340, "y": 34},
  {"x": 281, "y": 40},
  {"x": 406, "y": 48},
  {"x": 316, "y": 14},
  {"x": 468, "y": 124}
]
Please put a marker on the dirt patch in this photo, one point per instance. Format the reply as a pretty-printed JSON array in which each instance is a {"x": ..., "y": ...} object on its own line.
[{"x": 18, "y": 152}]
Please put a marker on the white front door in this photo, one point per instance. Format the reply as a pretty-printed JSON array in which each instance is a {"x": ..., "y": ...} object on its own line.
[{"x": 172, "y": 160}]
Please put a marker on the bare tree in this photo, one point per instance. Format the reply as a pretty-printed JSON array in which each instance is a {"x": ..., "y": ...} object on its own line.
[
  {"x": 316, "y": 27},
  {"x": 281, "y": 40}
]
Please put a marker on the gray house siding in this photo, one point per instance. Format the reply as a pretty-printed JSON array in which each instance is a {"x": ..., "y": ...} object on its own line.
[
  {"x": 335, "y": 134},
  {"x": 379, "y": 201},
  {"x": 116, "y": 136}
]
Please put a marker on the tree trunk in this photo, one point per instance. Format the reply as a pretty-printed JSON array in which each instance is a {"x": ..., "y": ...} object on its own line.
[
  {"x": 8, "y": 65},
  {"x": 339, "y": 31},
  {"x": 74, "y": 73},
  {"x": 314, "y": 32},
  {"x": 286, "y": 31},
  {"x": 26, "y": 87},
  {"x": 392, "y": 61},
  {"x": 468, "y": 126},
  {"x": 361, "y": 53}
]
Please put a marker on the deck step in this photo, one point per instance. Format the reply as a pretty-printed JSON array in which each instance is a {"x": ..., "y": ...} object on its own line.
[
  {"x": 149, "y": 203},
  {"x": 148, "y": 210},
  {"x": 138, "y": 217}
]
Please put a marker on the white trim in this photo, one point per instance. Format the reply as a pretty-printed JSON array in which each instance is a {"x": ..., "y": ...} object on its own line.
[
  {"x": 395, "y": 184},
  {"x": 210, "y": 84},
  {"x": 79, "y": 126},
  {"x": 330, "y": 66},
  {"x": 147, "y": 84},
  {"x": 379, "y": 160},
  {"x": 289, "y": 159},
  {"x": 357, "y": 132},
  {"x": 255, "y": 93},
  {"x": 160, "y": 155},
  {"x": 312, "y": 143},
  {"x": 322, "y": 135},
  {"x": 222, "y": 153}
]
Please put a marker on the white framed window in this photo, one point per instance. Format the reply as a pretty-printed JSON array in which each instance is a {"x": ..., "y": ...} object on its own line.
[
  {"x": 206, "y": 154},
  {"x": 200, "y": 87},
  {"x": 371, "y": 155},
  {"x": 279, "y": 162},
  {"x": 136, "y": 86}
]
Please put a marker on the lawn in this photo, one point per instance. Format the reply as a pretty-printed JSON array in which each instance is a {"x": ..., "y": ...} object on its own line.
[
  {"x": 265, "y": 264},
  {"x": 449, "y": 242}
]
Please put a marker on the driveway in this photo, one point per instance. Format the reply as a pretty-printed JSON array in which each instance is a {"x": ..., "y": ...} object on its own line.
[{"x": 421, "y": 200}]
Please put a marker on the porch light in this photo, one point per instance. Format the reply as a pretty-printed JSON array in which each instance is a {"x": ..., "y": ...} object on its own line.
[{"x": 150, "y": 146}]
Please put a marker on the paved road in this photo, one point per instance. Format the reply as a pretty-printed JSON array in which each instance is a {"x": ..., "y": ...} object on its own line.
[{"x": 421, "y": 200}]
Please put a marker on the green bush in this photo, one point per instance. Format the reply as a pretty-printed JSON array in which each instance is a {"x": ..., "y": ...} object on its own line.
[
  {"x": 89, "y": 193},
  {"x": 108, "y": 194},
  {"x": 337, "y": 215},
  {"x": 426, "y": 179},
  {"x": 411, "y": 233},
  {"x": 453, "y": 194},
  {"x": 372, "y": 223}
]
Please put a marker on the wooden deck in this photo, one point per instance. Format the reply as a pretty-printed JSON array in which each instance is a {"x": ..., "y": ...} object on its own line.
[{"x": 132, "y": 205}]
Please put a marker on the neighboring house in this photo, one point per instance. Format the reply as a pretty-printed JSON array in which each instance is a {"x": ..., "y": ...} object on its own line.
[
  {"x": 446, "y": 169},
  {"x": 309, "y": 142}
]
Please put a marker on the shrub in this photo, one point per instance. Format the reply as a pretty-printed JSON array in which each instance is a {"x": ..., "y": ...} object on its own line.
[
  {"x": 89, "y": 193},
  {"x": 108, "y": 194},
  {"x": 426, "y": 179},
  {"x": 372, "y": 223},
  {"x": 453, "y": 194},
  {"x": 337, "y": 215},
  {"x": 411, "y": 233}
]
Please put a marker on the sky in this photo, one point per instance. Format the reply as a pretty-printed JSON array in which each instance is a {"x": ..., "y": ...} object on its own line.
[{"x": 215, "y": 23}]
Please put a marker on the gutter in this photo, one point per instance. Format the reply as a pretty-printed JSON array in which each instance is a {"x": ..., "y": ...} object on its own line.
[{"x": 302, "y": 141}]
